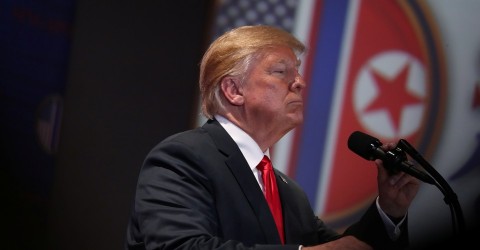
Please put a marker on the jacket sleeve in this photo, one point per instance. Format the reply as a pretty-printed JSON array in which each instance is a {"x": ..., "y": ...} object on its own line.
[{"x": 371, "y": 229}]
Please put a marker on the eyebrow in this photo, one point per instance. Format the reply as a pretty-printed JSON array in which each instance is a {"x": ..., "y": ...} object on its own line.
[{"x": 298, "y": 62}]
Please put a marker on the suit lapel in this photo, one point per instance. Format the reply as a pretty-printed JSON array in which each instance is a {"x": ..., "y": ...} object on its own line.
[
  {"x": 245, "y": 179},
  {"x": 282, "y": 184}
]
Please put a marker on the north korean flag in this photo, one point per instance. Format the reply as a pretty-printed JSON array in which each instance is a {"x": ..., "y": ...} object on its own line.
[{"x": 372, "y": 66}]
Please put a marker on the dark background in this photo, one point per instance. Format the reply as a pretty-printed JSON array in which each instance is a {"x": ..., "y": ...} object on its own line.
[{"x": 131, "y": 81}]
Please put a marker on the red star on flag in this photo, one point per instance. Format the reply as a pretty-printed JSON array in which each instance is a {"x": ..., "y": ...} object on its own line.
[{"x": 393, "y": 95}]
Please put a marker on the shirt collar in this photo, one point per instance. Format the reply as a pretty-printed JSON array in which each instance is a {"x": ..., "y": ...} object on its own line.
[{"x": 249, "y": 148}]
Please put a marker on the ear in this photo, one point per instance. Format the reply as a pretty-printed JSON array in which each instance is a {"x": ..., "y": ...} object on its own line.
[{"x": 232, "y": 90}]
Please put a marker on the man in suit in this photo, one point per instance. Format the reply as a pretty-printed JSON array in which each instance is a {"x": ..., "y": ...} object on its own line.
[{"x": 201, "y": 189}]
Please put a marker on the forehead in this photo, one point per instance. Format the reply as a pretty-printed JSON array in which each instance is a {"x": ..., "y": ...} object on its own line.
[{"x": 280, "y": 54}]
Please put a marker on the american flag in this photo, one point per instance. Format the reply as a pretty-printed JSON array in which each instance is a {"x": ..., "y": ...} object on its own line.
[{"x": 235, "y": 13}]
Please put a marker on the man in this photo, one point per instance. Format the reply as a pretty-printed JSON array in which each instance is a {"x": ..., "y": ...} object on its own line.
[{"x": 201, "y": 189}]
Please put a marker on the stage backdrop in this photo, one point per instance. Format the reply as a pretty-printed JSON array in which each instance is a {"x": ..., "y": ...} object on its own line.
[
  {"x": 87, "y": 88},
  {"x": 392, "y": 69}
]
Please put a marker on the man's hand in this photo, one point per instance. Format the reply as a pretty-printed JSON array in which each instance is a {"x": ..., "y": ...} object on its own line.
[{"x": 396, "y": 192}]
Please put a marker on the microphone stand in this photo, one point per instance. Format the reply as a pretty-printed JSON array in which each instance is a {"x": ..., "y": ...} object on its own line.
[{"x": 450, "y": 197}]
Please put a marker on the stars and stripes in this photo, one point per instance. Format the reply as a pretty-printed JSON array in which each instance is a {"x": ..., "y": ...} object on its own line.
[{"x": 235, "y": 13}]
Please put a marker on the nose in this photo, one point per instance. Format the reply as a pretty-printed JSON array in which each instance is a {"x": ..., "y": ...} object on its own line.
[{"x": 299, "y": 83}]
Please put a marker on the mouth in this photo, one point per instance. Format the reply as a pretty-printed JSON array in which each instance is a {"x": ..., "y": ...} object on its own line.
[{"x": 297, "y": 102}]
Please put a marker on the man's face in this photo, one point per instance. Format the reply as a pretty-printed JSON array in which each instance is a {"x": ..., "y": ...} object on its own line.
[{"x": 273, "y": 90}]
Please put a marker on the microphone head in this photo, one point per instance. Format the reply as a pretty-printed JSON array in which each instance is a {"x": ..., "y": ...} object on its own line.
[{"x": 363, "y": 145}]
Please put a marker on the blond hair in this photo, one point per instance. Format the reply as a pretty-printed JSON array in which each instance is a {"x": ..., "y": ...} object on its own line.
[{"x": 232, "y": 53}]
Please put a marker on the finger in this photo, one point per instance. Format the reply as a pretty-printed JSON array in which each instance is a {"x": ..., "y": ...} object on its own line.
[
  {"x": 406, "y": 179},
  {"x": 388, "y": 146},
  {"x": 382, "y": 172},
  {"x": 396, "y": 180}
]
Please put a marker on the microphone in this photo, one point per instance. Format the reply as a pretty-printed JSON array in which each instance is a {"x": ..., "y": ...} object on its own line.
[{"x": 368, "y": 147}]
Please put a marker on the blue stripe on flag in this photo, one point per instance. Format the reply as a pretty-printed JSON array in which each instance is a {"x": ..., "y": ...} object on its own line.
[{"x": 320, "y": 95}]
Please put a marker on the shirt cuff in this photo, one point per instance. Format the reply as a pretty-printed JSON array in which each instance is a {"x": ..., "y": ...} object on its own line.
[{"x": 393, "y": 230}]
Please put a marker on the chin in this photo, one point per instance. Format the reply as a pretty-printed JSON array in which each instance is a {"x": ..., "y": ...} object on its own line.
[{"x": 296, "y": 119}]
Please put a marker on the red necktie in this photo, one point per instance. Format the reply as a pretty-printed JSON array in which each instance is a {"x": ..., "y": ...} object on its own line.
[{"x": 271, "y": 193}]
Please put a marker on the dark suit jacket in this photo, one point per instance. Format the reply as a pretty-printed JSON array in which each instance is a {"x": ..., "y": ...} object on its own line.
[{"x": 196, "y": 191}]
